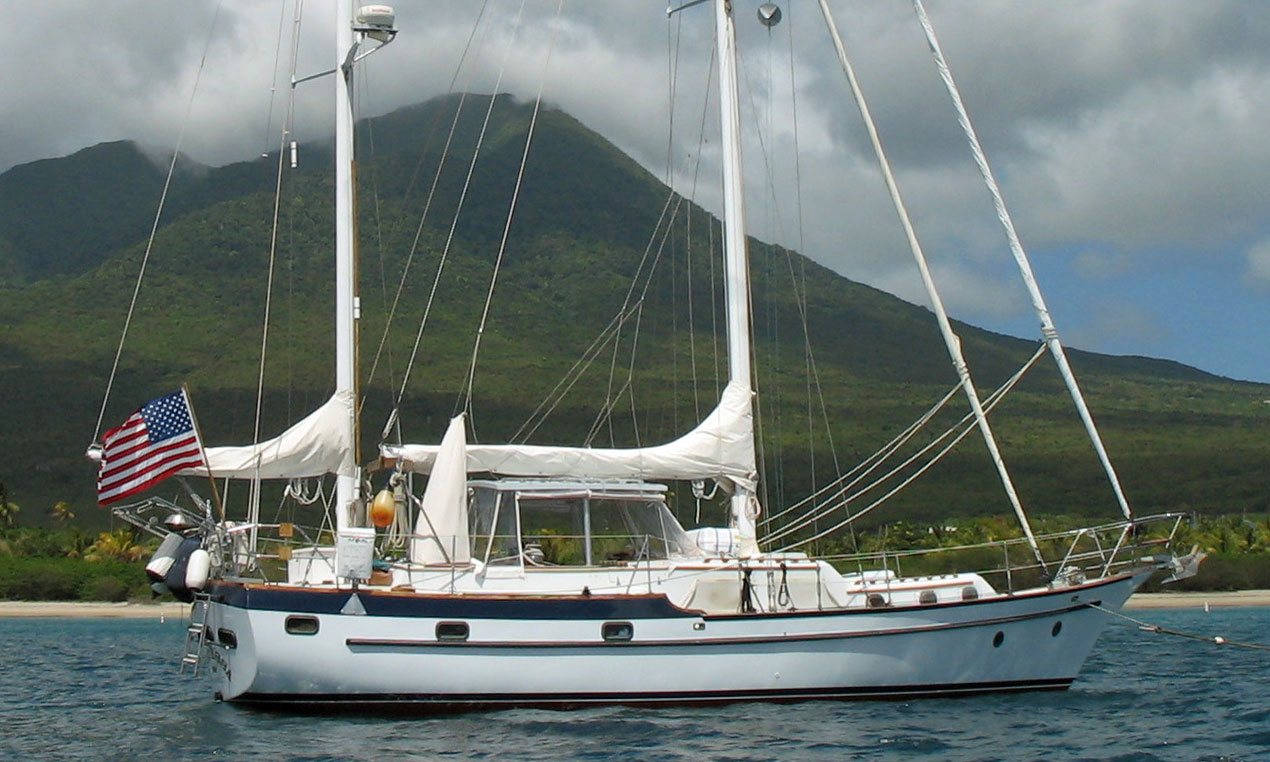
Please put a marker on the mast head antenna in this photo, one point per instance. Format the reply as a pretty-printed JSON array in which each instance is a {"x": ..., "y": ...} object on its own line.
[{"x": 376, "y": 22}]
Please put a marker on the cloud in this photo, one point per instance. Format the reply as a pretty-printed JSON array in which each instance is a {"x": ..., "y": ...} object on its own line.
[
  {"x": 1129, "y": 130},
  {"x": 1257, "y": 276}
]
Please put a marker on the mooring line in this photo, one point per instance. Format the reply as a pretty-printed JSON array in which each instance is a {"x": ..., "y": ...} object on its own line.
[{"x": 1148, "y": 627}]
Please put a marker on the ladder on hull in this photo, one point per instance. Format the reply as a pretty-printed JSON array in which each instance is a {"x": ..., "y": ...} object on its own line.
[{"x": 196, "y": 633}]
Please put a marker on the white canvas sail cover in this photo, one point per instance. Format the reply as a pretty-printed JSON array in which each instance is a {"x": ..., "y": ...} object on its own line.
[
  {"x": 314, "y": 446},
  {"x": 721, "y": 448},
  {"x": 441, "y": 528}
]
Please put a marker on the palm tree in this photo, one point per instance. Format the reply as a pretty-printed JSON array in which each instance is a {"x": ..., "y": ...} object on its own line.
[
  {"x": 116, "y": 545},
  {"x": 62, "y": 512},
  {"x": 8, "y": 511}
]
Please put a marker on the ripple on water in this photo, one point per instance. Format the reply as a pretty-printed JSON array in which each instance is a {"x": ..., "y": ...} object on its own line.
[{"x": 109, "y": 689}]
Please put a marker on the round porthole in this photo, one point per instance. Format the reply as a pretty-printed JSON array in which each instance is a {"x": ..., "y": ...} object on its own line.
[
  {"x": 998, "y": 639},
  {"x": 1057, "y": 628}
]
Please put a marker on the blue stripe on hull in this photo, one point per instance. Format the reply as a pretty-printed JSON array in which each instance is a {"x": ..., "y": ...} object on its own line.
[
  {"x": 537, "y": 607},
  {"x": 442, "y": 606}
]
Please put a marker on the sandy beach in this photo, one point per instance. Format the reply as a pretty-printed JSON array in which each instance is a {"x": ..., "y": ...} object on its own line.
[
  {"x": 171, "y": 610},
  {"x": 1180, "y": 600},
  {"x": 80, "y": 610}
]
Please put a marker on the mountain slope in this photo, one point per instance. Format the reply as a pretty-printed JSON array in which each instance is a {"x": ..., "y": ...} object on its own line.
[{"x": 586, "y": 228}]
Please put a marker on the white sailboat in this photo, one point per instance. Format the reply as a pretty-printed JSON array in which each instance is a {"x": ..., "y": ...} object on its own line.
[{"x": 560, "y": 577}]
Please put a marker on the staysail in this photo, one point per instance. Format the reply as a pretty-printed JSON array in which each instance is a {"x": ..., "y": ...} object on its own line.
[{"x": 441, "y": 528}]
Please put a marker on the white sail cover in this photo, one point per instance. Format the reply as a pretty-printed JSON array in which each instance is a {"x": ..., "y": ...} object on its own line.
[
  {"x": 312, "y": 447},
  {"x": 720, "y": 448},
  {"x": 441, "y": 528}
]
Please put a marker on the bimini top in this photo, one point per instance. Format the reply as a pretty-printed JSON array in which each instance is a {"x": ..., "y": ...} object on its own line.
[{"x": 574, "y": 487}]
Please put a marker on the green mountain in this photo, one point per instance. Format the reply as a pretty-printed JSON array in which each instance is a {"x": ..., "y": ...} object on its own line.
[{"x": 592, "y": 232}]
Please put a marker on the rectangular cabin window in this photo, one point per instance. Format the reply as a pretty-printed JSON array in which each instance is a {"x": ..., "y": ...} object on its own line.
[
  {"x": 302, "y": 625},
  {"x": 618, "y": 631},
  {"x": 452, "y": 631}
]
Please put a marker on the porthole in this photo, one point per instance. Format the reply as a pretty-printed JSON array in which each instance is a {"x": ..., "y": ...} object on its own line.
[
  {"x": 998, "y": 639},
  {"x": 969, "y": 593},
  {"x": 927, "y": 598},
  {"x": 227, "y": 638},
  {"x": 452, "y": 631},
  {"x": 1057, "y": 628},
  {"x": 618, "y": 631},
  {"x": 875, "y": 601},
  {"x": 302, "y": 625}
]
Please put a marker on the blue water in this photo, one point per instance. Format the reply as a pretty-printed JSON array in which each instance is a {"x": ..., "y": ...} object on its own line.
[{"x": 109, "y": 689}]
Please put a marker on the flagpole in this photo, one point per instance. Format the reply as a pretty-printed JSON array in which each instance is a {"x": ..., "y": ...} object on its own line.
[{"x": 198, "y": 434}]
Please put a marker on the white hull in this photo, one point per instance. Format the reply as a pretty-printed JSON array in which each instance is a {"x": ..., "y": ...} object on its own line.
[{"x": 549, "y": 651}]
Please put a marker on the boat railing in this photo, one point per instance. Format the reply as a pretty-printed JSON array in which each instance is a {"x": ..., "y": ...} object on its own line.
[{"x": 1071, "y": 555}]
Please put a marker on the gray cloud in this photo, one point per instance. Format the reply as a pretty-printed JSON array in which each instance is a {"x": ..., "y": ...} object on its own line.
[{"x": 1131, "y": 130}]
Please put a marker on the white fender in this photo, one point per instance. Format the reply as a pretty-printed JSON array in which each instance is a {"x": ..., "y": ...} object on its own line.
[
  {"x": 161, "y": 562},
  {"x": 200, "y": 565}
]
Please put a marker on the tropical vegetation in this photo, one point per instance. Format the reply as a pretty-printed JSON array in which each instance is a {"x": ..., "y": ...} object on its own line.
[
  {"x": 67, "y": 563},
  {"x": 591, "y": 225}
]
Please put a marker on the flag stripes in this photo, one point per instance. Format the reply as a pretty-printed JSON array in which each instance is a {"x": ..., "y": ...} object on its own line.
[{"x": 155, "y": 442}]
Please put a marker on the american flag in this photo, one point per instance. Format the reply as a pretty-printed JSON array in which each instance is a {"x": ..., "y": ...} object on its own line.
[{"x": 155, "y": 442}]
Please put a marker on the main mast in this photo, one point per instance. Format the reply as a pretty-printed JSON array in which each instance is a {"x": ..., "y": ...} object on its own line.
[
  {"x": 736, "y": 258},
  {"x": 346, "y": 481},
  {"x": 373, "y": 22}
]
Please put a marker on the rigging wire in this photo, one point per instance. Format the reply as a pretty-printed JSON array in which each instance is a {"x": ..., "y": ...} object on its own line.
[
  {"x": 414, "y": 247},
  {"x": 254, "y": 494},
  {"x": 811, "y": 370},
  {"x": 154, "y": 228},
  {"x": 967, "y": 425},
  {"x": 467, "y": 184},
  {"x": 507, "y": 226},
  {"x": 654, "y": 250},
  {"x": 871, "y": 462},
  {"x": 377, "y": 210},
  {"x": 274, "y": 220},
  {"x": 951, "y": 341},
  {"x": 571, "y": 377},
  {"x": 1048, "y": 330},
  {"x": 692, "y": 194},
  {"x": 273, "y": 83}
]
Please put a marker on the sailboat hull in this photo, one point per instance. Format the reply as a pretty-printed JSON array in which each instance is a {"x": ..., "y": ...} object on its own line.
[{"x": 552, "y": 651}]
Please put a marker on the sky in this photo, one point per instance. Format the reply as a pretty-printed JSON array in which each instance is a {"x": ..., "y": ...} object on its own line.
[{"x": 1129, "y": 136}]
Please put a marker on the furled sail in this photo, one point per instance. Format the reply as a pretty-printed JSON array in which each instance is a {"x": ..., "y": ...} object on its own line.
[
  {"x": 314, "y": 446},
  {"x": 720, "y": 448},
  {"x": 441, "y": 528}
]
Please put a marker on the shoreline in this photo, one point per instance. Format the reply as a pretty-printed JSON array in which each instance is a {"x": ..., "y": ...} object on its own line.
[
  {"x": 1199, "y": 600},
  {"x": 178, "y": 611},
  {"x": 93, "y": 610}
]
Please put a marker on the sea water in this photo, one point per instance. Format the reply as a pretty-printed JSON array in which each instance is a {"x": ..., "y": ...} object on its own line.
[{"x": 104, "y": 689}]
